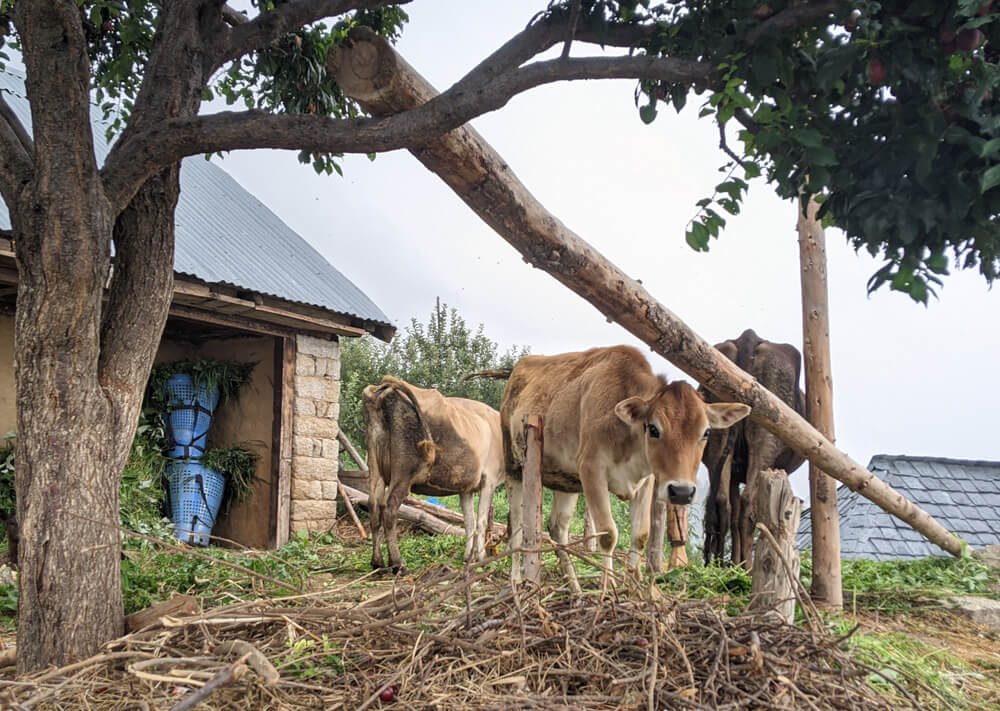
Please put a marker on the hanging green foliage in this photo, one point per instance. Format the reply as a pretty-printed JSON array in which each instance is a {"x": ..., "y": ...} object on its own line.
[{"x": 239, "y": 466}]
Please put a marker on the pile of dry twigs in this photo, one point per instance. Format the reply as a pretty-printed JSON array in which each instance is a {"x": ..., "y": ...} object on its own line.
[{"x": 461, "y": 639}]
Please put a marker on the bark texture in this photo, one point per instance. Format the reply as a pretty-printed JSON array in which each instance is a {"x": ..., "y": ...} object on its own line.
[
  {"x": 385, "y": 84},
  {"x": 775, "y": 573},
  {"x": 826, "y": 588},
  {"x": 81, "y": 364},
  {"x": 70, "y": 588}
]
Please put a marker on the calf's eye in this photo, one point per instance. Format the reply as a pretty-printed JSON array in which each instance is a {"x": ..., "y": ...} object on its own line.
[
  {"x": 707, "y": 433},
  {"x": 654, "y": 431}
]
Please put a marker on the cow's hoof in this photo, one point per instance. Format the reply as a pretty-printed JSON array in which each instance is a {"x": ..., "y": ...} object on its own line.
[{"x": 400, "y": 570}]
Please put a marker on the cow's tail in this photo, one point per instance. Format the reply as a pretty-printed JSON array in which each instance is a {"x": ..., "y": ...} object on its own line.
[
  {"x": 426, "y": 447},
  {"x": 494, "y": 374}
]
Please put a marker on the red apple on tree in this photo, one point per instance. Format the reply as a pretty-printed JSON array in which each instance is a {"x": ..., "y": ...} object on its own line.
[{"x": 877, "y": 72}]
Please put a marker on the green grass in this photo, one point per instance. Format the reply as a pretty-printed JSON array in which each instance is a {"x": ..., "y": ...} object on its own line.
[{"x": 936, "y": 675}]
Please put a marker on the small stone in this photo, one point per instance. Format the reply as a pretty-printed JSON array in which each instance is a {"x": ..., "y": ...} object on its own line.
[{"x": 980, "y": 610}]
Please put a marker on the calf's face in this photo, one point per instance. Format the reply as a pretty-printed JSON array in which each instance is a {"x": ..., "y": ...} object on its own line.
[{"x": 675, "y": 426}]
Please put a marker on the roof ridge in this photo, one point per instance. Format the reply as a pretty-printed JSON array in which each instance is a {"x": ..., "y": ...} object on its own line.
[{"x": 946, "y": 460}]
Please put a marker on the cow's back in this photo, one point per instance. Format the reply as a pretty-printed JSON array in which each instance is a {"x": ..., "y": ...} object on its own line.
[
  {"x": 576, "y": 394},
  {"x": 467, "y": 436}
]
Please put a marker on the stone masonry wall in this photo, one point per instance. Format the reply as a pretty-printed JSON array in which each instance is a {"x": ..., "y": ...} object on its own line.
[{"x": 315, "y": 447}]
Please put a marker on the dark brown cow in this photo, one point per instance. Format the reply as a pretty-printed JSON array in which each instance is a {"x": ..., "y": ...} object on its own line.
[
  {"x": 737, "y": 456},
  {"x": 421, "y": 441},
  {"x": 610, "y": 425}
]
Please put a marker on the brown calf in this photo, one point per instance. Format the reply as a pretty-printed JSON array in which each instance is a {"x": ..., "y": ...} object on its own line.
[
  {"x": 421, "y": 441},
  {"x": 611, "y": 425}
]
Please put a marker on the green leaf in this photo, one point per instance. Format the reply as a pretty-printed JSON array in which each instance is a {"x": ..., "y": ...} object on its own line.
[
  {"x": 809, "y": 137},
  {"x": 821, "y": 155},
  {"x": 938, "y": 263},
  {"x": 697, "y": 237},
  {"x": 648, "y": 113},
  {"x": 991, "y": 178}
]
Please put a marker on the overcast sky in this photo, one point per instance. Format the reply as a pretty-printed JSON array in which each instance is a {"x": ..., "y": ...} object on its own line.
[{"x": 907, "y": 379}]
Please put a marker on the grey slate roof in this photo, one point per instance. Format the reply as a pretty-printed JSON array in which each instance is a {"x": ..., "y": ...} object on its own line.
[
  {"x": 224, "y": 235},
  {"x": 963, "y": 495}
]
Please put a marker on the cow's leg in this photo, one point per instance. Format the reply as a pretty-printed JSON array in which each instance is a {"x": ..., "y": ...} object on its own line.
[
  {"x": 376, "y": 499},
  {"x": 398, "y": 490},
  {"x": 484, "y": 519},
  {"x": 764, "y": 449},
  {"x": 595, "y": 488},
  {"x": 735, "y": 517},
  {"x": 515, "y": 527},
  {"x": 723, "y": 507},
  {"x": 468, "y": 503},
  {"x": 563, "y": 506},
  {"x": 639, "y": 511}
]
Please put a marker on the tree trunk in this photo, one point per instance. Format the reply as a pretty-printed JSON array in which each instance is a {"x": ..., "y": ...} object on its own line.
[
  {"x": 826, "y": 580},
  {"x": 70, "y": 586},
  {"x": 775, "y": 573},
  {"x": 80, "y": 365},
  {"x": 372, "y": 73}
]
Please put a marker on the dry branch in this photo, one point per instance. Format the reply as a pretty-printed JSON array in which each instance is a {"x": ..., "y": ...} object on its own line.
[
  {"x": 224, "y": 678},
  {"x": 370, "y": 71},
  {"x": 175, "y": 606},
  {"x": 504, "y": 651}
]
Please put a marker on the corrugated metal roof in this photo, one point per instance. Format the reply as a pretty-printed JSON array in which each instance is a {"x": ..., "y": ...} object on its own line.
[
  {"x": 224, "y": 235},
  {"x": 963, "y": 495}
]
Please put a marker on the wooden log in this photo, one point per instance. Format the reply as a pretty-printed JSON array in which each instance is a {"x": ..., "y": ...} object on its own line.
[
  {"x": 359, "y": 480},
  {"x": 532, "y": 501},
  {"x": 426, "y": 521},
  {"x": 775, "y": 572},
  {"x": 677, "y": 532},
  {"x": 346, "y": 443},
  {"x": 8, "y": 657},
  {"x": 827, "y": 586},
  {"x": 178, "y": 606},
  {"x": 657, "y": 529},
  {"x": 350, "y": 510},
  {"x": 369, "y": 71}
]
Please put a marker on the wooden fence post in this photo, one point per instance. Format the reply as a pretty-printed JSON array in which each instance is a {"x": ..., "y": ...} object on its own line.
[
  {"x": 657, "y": 527},
  {"x": 532, "y": 497},
  {"x": 677, "y": 532},
  {"x": 826, "y": 580},
  {"x": 775, "y": 573}
]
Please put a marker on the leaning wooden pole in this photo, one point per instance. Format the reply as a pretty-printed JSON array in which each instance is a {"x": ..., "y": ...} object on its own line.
[
  {"x": 369, "y": 71},
  {"x": 826, "y": 588}
]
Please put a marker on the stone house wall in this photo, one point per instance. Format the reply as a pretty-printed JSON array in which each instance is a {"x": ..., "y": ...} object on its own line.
[{"x": 315, "y": 448}]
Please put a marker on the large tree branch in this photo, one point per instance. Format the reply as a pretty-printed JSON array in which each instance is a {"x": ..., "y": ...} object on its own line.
[
  {"x": 249, "y": 35},
  {"x": 170, "y": 141},
  {"x": 791, "y": 18},
  {"x": 485, "y": 182},
  {"x": 16, "y": 149}
]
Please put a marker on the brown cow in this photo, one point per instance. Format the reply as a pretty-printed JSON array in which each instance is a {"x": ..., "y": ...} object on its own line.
[
  {"x": 421, "y": 441},
  {"x": 738, "y": 455},
  {"x": 610, "y": 425}
]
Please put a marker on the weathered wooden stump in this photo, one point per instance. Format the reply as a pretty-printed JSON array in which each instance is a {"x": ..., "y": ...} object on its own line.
[
  {"x": 532, "y": 501},
  {"x": 775, "y": 573}
]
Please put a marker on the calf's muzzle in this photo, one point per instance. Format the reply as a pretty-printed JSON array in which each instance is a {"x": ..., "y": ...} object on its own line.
[{"x": 681, "y": 494}]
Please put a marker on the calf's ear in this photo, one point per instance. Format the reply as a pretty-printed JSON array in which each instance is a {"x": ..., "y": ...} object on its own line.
[
  {"x": 726, "y": 414},
  {"x": 631, "y": 410}
]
